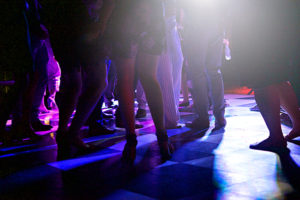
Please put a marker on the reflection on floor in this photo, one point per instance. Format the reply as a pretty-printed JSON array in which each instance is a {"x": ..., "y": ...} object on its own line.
[{"x": 210, "y": 165}]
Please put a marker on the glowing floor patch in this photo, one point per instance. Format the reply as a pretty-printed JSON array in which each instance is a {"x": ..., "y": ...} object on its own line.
[{"x": 77, "y": 162}]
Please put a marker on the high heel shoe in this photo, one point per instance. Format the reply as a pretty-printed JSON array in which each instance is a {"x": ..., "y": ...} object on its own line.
[
  {"x": 165, "y": 147},
  {"x": 129, "y": 152}
]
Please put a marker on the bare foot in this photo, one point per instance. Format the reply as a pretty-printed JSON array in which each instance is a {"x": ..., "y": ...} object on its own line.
[
  {"x": 270, "y": 145},
  {"x": 292, "y": 135}
]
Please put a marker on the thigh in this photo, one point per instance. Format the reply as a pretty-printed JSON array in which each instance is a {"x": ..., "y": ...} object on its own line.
[
  {"x": 146, "y": 65},
  {"x": 96, "y": 72},
  {"x": 125, "y": 68}
]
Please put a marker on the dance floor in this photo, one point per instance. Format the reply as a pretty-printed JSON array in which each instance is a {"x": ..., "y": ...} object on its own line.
[{"x": 205, "y": 165}]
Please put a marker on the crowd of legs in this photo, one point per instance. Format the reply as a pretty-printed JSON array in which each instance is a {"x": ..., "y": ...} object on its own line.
[{"x": 141, "y": 42}]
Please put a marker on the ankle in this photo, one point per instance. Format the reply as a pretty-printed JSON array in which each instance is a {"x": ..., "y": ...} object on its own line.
[
  {"x": 131, "y": 139},
  {"x": 277, "y": 139},
  {"x": 162, "y": 136}
]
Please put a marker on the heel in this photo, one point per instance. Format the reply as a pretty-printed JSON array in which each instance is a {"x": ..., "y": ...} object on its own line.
[
  {"x": 129, "y": 152},
  {"x": 165, "y": 147}
]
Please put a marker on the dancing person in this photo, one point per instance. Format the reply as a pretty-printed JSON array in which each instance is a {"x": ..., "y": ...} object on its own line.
[
  {"x": 170, "y": 67},
  {"x": 263, "y": 57},
  {"x": 140, "y": 44},
  {"x": 16, "y": 60},
  {"x": 204, "y": 46},
  {"x": 77, "y": 32}
]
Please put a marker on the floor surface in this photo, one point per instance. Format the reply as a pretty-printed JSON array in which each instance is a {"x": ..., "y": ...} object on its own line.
[{"x": 205, "y": 165}]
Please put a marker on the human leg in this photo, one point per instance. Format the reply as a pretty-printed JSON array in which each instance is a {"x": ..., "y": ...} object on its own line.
[
  {"x": 184, "y": 87},
  {"x": 141, "y": 100},
  {"x": 147, "y": 71},
  {"x": 71, "y": 85},
  {"x": 94, "y": 84},
  {"x": 268, "y": 101},
  {"x": 196, "y": 54},
  {"x": 215, "y": 80},
  {"x": 96, "y": 121},
  {"x": 288, "y": 101},
  {"x": 125, "y": 74},
  {"x": 41, "y": 62}
]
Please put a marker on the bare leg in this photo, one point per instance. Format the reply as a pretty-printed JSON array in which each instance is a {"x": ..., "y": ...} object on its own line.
[
  {"x": 147, "y": 68},
  {"x": 24, "y": 126},
  {"x": 267, "y": 99},
  {"x": 70, "y": 91},
  {"x": 94, "y": 84},
  {"x": 84, "y": 100},
  {"x": 147, "y": 72},
  {"x": 288, "y": 101},
  {"x": 125, "y": 74}
]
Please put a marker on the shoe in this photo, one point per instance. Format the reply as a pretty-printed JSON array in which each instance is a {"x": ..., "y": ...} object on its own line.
[
  {"x": 292, "y": 135},
  {"x": 99, "y": 129},
  {"x": 220, "y": 123},
  {"x": 22, "y": 131},
  {"x": 43, "y": 109},
  {"x": 187, "y": 109},
  {"x": 184, "y": 104},
  {"x": 29, "y": 133},
  {"x": 107, "y": 116},
  {"x": 109, "y": 112},
  {"x": 120, "y": 124},
  {"x": 129, "y": 152},
  {"x": 270, "y": 145},
  {"x": 199, "y": 124},
  {"x": 141, "y": 113},
  {"x": 165, "y": 147},
  {"x": 177, "y": 126},
  {"x": 39, "y": 126}
]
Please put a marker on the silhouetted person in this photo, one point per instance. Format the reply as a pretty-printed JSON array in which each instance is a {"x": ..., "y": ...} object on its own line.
[
  {"x": 77, "y": 32},
  {"x": 140, "y": 44},
  {"x": 265, "y": 39}
]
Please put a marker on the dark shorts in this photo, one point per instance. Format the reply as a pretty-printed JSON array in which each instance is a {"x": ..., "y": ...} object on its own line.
[
  {"x": 137, "y": 26},
  {"x": 76, "y": 53},
  {"x": 68, "y": 22}
]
